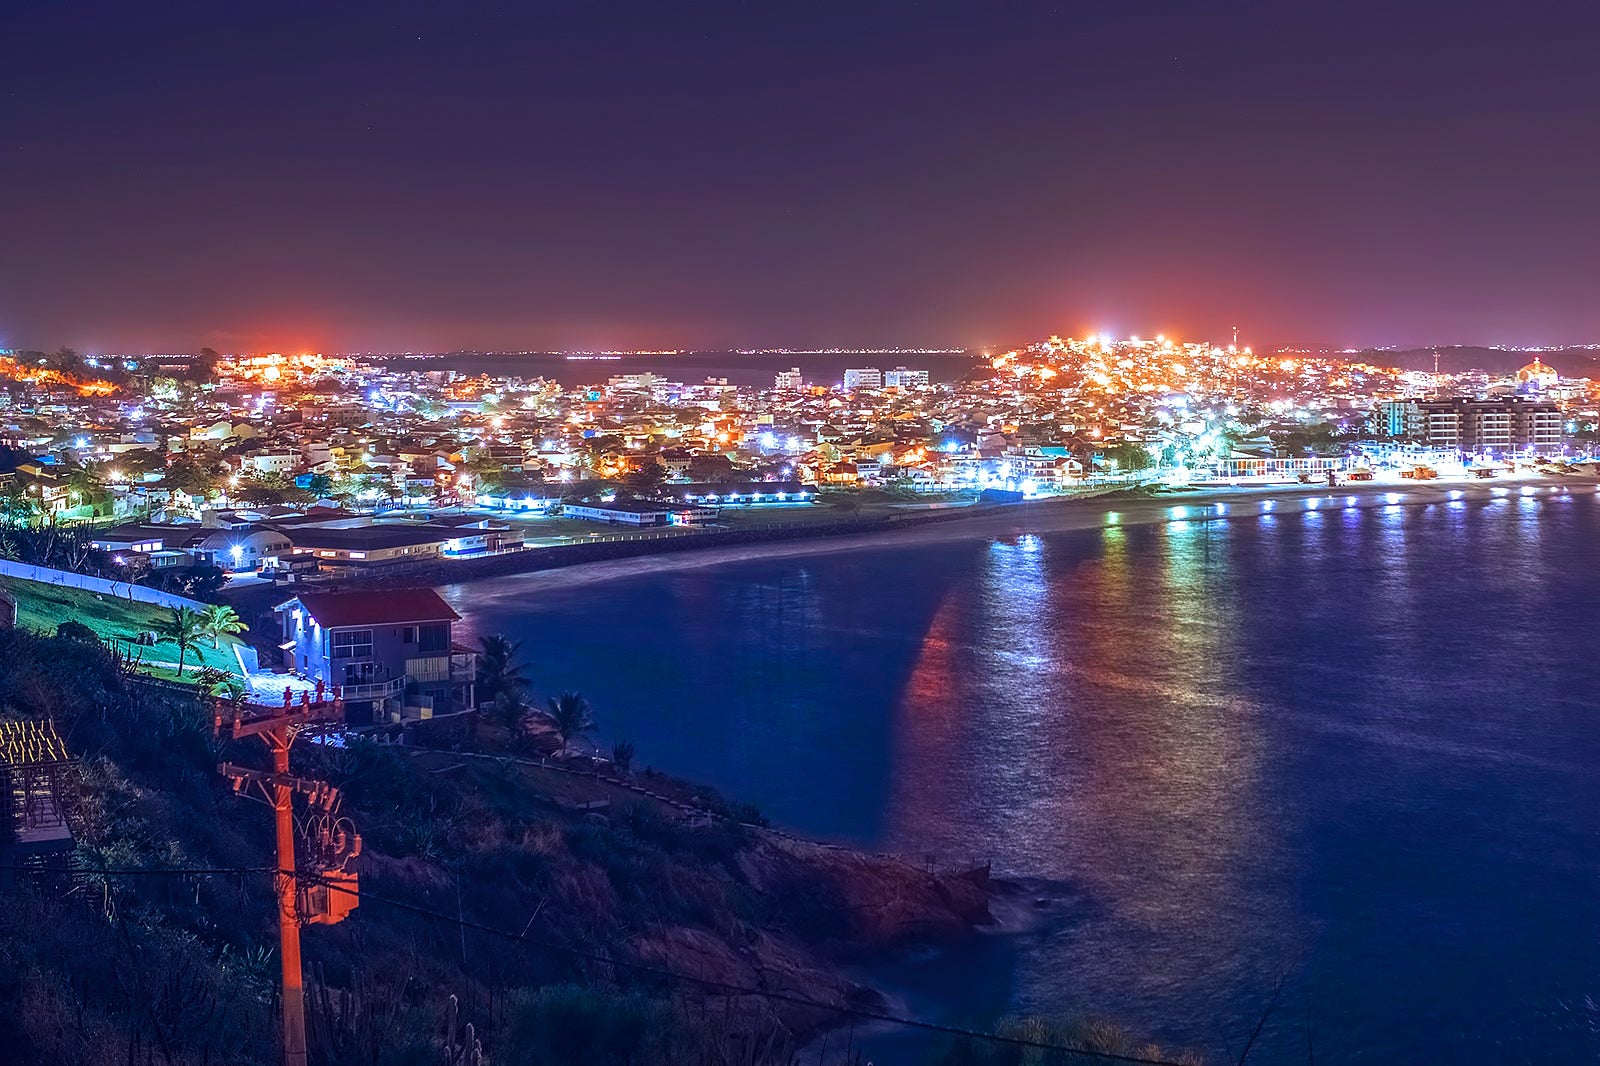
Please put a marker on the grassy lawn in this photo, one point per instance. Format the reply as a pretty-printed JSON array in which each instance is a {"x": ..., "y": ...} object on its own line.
[
  {"x": 757, "y": 516},
  {"x": 520, "y": 778},
  {"x": 543, "y": 531},
  {"x": 43, "y": 606},
  {"x": 565, "y": 528}
]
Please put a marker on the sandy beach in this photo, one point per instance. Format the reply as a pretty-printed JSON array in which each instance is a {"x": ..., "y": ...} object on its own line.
[{"x": 1206, "y": 504}]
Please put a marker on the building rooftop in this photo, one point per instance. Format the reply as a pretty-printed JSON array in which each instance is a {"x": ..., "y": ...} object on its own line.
[
  {"x": 723, "y": 488},
  {"x": 337, "y": 610},
  {"x": 627, "y": 506},
  {"x": 369, "y": 537}
]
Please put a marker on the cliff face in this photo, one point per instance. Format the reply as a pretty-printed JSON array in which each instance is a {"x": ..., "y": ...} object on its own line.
[
  {"x": 850, "y": 902},
  {"x": 485, "y": 879},
  {"x": 826, "y": 903},
  {"x": 643, "y": 872},
  {"x": 806, "y": 991}
]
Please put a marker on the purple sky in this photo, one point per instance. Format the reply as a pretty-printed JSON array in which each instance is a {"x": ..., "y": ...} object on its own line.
[{"x": 698, "y": 174}]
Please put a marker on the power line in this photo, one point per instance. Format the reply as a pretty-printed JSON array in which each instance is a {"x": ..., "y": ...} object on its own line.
[
  {"x": 154, "y": 871},
  {"x": 645, "y": 968}
]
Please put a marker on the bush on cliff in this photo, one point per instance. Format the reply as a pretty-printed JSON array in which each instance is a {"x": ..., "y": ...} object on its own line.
[{"x": 181, "y": 969}]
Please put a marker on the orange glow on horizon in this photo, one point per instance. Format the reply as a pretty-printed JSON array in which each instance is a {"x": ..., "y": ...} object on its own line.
[{"x": 39, "y": 375}]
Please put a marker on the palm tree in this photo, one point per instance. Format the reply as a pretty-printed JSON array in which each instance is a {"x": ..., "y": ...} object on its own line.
[
  {"x": 509, "y": 706},
  {"x": 15, "y": 505},
  {"x": 218, "y": 620},
  {"x": 86, "y": 483},
  {"x": 571, "y": 716},
  {"x": 184, "y": 629},
  {"x": 500, "y": 670}
]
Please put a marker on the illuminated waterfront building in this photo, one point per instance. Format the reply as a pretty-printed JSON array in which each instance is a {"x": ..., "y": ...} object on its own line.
[
  {"x": 868, "y": 377},
  {"x": 901, "y": 378},
  {"x": 1502, "y": 425}
]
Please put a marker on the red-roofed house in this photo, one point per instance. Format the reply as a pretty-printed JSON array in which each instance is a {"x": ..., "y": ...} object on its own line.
[{"x": 390, "y": 651}]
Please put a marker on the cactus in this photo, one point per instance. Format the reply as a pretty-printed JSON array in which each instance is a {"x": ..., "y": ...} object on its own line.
[{"x": 468, "y": 1051}]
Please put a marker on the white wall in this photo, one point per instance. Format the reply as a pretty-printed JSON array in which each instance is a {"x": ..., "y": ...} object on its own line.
[{"x": 121, "y": 589}]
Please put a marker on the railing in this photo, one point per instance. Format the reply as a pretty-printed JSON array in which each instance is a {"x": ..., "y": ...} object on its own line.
[
  {"x": 454, "y": 667},
  {"x": 457, "y": 666},
  {"x": 428, "y": 668},
  {"x": 377, "y": 691}
]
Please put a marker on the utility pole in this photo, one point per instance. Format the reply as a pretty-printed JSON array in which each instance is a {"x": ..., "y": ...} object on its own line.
[{"x": 333, "y": 840}]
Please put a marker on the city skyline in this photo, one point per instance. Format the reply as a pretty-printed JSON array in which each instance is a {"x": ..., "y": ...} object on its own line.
[
  {"x": 911, "y": 532},
  {"x": 719, "y": 177}
]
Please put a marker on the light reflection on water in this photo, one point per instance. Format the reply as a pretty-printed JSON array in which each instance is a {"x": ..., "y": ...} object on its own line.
[{"x": 1357, "y": 748}]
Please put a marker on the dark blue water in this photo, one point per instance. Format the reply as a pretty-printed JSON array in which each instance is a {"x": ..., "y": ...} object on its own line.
[{"x": 1357, "y": 750}]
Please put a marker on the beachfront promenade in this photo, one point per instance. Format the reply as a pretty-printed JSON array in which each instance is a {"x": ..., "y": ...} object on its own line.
[{"x": 1043, "y": 515}]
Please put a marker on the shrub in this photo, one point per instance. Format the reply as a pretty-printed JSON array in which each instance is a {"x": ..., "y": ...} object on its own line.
[
  {"x": 594, "y": 1026},
  {"x": 75, "y": 630}
]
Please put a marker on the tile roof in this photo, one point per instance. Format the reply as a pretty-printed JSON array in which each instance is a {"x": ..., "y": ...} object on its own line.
[
  {"x": 336, "y": 610},
  {"x": 368, "y": 537}
]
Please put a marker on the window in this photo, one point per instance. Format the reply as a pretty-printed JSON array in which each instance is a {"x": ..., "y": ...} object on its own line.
[
  {"x": 353, "y": 644},
  {"x": 408, "y": 635},
  {"x": 434, "y": 637}
]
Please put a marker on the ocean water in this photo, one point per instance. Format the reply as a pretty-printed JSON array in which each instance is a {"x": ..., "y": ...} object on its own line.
[
  {"x": 1352, "y": 751},
  {"x": 748, "y": 369}
]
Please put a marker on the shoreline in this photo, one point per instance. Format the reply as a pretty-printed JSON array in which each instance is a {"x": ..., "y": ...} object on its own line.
[
  {"x": 578, "y": 564},
  {"x": 1034, "y": 517},
  {"x": 858, "y": 871}
]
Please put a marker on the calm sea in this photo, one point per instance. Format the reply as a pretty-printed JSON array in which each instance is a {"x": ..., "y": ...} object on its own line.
[
  {"x": 755, "y": 369},
  {"x": 1357, "y": 751}
]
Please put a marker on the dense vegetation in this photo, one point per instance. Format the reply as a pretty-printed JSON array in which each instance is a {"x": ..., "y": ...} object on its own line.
[
  {"x": 182, "y": 969},
  {"x": 497, "y": 908},
  {"x": 127, "y": 624},
  {"x": 66, "y": 546}
]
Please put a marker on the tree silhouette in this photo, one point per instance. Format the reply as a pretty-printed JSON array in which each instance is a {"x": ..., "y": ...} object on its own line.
[
  {"x": 572, "y": 717},
  {"x": 500, "y": 669},
  {"x": 218, "y": 620},
  {"x": 184, "y": 628}
]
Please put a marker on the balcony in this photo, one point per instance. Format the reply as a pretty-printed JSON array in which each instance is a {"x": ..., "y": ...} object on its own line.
[
  {"x": 455, "y": 667},
  {"x": 380, "y": 690}
]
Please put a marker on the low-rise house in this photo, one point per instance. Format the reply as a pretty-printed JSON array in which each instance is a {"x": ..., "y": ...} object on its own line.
[
  {"x": 517, "y": 496},
  {"x": 623, "y": 512},
  {"x": 143, "y": 539},
  {"x": 787, "y": 493},
  {"x": 477, "y": 534},
  {"x": 390, "y": 653},
  {"x": 44, "y": 482},
  {"x": 269, "y": 462},
  {"x": 372, "y": 545},
  {"x": 240, "y": 550}
]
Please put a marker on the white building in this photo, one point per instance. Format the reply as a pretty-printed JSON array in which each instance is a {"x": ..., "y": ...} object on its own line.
[
  {"x": 901, "y": 378},
  {"x": 270, "y": 462},
  {"x": 789, "y": 380},
  {"x": 867, "y": 377},
  {"x": 622, "y": 512}
]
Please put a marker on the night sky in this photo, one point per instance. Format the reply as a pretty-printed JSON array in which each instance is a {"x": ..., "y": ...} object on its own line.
[{"x": 606, "y": 174}]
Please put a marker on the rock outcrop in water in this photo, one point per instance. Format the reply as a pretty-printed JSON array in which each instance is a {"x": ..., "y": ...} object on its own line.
[
  {"x": 854, "y": 902},
  {"x": 827, "y": 904}
]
